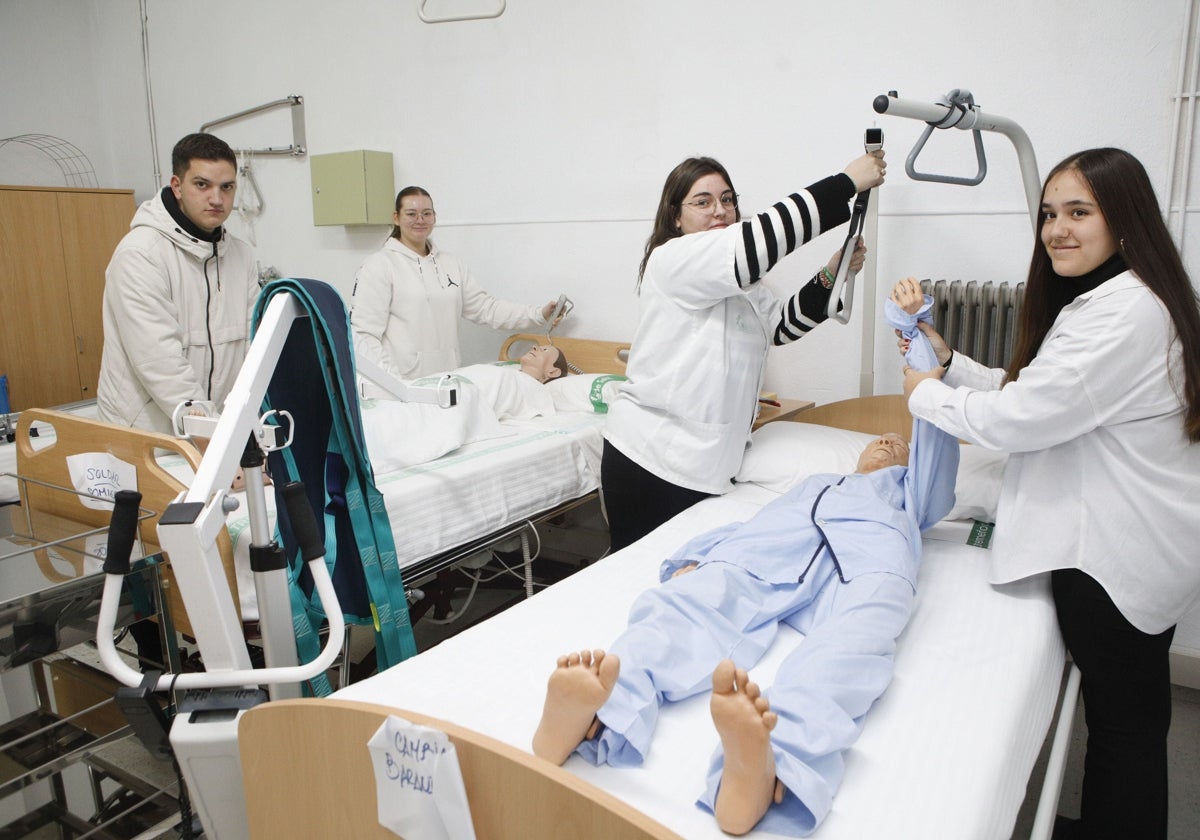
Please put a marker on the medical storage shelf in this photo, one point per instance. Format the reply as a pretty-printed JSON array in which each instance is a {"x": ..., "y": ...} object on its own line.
[{"x": 61, "y": 705}]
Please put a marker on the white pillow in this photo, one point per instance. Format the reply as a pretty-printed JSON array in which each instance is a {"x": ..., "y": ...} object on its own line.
[
  {"x": 784, "y": 454},
  {"x": 584, "y": 391}
]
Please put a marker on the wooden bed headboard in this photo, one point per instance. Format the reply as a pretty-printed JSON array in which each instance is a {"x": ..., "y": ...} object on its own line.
[
  {"x": 873, "y": 415},
  {"x": 589, "y": 355},
  {"x": 76, "y": 435}
]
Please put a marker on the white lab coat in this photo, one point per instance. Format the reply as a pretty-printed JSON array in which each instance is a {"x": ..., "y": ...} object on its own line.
[
  {"x": 699, "y": 355},
  {"x": 405, "y": 310},
  {"x": 1101, "y": 477}
]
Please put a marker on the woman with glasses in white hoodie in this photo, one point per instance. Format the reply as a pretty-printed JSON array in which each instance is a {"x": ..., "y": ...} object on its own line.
[{"x": 409, "y": 296}]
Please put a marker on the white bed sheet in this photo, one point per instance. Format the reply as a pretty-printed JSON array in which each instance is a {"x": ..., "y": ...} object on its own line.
[
  {"x": 946, "y": 752},
  {"x": 465, "y": 495}
]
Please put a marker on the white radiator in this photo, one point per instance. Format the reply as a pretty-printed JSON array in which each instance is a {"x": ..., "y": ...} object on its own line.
[{"x": 980, "y": 319}]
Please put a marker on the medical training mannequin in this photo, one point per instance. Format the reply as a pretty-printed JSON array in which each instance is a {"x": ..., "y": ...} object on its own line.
[
  {"x": 409, "y": 296},
  {"x": 544, "y": 362},
  {"x": 178, "y": 295},
  {"x": 836, "y": 557},
  {"x": 1100, "y": 410},
  {"x": 677, "y": 428}
]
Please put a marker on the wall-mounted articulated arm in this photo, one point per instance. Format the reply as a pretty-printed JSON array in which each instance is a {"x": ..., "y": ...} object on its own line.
[{"x": 958, "y": 110}]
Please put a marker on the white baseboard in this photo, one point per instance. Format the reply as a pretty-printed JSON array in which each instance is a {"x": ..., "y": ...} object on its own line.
[{"x": 1185, "y": 666}]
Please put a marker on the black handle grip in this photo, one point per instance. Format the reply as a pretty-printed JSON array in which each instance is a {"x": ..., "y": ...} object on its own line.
[
  {"x": 304, "y": 523},
  {"x": 122, "y": 530}
]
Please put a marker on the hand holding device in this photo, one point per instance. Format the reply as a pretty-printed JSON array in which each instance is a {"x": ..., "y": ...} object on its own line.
[{"x": 561, "y": 308}]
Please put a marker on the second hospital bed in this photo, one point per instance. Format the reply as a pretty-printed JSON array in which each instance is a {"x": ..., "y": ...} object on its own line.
[
  {"x": 946, "y": 751},
  {"x": 442, "y": 511}
]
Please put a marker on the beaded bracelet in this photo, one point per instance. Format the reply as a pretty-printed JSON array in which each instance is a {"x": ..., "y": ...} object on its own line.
[{"x": 825, "y": 277}]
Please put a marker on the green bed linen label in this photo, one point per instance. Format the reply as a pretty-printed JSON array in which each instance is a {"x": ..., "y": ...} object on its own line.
[{"x": 981, "y": 534}]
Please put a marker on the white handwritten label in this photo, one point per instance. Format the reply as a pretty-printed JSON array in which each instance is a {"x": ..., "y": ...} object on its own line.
[
  {"x": 100, "y": 475},
  {"x": 418, "y": 783}
]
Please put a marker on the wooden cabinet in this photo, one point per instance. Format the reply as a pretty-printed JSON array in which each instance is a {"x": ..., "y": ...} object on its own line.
[{"x": 55, "y": 243}]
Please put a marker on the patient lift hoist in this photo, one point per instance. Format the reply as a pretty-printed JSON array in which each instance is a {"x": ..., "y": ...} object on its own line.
[{"x": 203, "y": 735}]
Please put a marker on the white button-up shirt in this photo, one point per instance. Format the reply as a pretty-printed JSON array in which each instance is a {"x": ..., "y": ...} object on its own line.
[{"x": 1101, "y": 476}]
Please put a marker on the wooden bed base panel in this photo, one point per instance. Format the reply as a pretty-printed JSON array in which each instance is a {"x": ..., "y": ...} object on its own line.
[
  {"x": 590, "y": 356},
  {"x": 307, "y": 772},
  {"x": 75, "y": 435}
]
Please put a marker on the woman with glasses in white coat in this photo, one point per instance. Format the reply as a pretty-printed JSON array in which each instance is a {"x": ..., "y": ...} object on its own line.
[{"x": 677, "y": 429}]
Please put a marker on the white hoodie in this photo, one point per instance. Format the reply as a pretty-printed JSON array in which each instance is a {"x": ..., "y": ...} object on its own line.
[
  {"x": 405, "y": 310},
  {"x": 176, "y": 320}
]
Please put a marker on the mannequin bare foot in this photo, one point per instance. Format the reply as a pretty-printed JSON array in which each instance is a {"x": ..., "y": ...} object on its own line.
[
  {"x": 579, "y": 686},
  {"x": 744, "y": 721}
]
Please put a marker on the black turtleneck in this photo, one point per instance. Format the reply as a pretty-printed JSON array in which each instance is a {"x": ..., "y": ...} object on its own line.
[
  {"x": 1063, "y": 290},
  {"x": 189, "y": 227}
]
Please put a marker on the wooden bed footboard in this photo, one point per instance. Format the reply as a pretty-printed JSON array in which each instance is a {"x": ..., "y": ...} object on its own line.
[
  {"x": 76, "y": 435},
  {"x": 307, "y": 772}
]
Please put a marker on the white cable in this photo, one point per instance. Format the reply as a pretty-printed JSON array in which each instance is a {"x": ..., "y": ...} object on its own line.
[{"x": 149, "y": 96}]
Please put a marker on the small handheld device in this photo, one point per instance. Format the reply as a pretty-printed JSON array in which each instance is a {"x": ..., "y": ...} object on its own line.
[
  {"x": 842, "y": 296},
  {"x": 561, "y": 308},
  {"x": 873, "y": 139}
]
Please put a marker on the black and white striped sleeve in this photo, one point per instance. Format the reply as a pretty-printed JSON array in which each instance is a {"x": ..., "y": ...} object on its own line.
[
  {"x": 768, "y": 237},
  {"x": 802, "y": 311}
]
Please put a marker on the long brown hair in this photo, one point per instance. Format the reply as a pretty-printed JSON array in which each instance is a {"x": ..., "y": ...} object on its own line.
[
  {"x": 1126, "y": 199},
  {"x": 678, "y": 184},
  {"x": 400, "y": 196}
]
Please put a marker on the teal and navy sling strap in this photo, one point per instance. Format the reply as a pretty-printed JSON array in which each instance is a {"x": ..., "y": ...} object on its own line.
[{"x": 314, "y": 381}]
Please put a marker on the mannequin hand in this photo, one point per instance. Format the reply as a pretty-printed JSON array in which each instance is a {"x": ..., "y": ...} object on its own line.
[{"x": 908, "y": 296}]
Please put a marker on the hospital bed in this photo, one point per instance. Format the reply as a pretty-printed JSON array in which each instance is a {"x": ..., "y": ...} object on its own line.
[
  {"x": 483, "y": 494},
  {"x": 946, "y": 751},
  {"x": 490, "y": 492}
]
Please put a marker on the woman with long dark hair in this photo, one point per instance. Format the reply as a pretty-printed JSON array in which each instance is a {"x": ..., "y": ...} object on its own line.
[
  {"x": 677, "y": 429},
  {"x": 1100, "y": 412}
]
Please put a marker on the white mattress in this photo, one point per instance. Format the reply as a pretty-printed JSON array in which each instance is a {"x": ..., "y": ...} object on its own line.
[{"x": 946, "y": 752}]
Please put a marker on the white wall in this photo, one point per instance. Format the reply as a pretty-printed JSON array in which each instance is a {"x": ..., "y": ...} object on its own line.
[{"x": 545, "y": 134}]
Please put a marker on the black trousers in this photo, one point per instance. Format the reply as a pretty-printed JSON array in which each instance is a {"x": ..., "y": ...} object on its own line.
[
  {"x": 1126, "y": 684},
  {"x": 636, "y": 500}
]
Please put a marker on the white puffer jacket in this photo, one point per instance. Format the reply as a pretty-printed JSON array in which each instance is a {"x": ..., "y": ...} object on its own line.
[{"x": 176, "y": 319}]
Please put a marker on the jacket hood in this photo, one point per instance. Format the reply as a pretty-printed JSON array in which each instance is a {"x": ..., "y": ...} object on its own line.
[
  {"x": 154, "y": 214},
  {"x": 395, "y": 245}
]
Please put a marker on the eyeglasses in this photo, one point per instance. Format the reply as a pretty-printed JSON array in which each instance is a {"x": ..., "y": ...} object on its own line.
[
  {"x": 424, "y": 215},
  {"x": 705, "y": 202}
]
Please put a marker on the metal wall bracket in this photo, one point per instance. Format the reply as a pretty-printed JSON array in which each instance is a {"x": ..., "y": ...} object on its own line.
[
  {"x": 296, "y": 103},
  {"x": 449, "y": 18}
]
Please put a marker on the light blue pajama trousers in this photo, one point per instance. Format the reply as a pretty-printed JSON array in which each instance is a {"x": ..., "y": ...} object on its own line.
[{"x": 680, "y": 630}]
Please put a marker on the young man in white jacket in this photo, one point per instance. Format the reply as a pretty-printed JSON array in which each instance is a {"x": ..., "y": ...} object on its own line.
[{"x": 178, "y": 295}]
